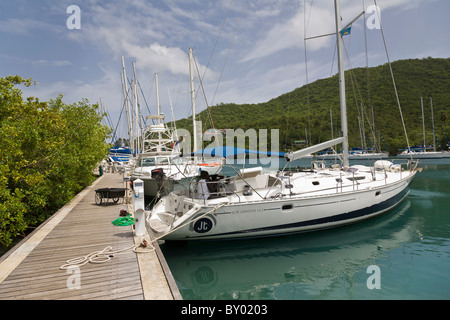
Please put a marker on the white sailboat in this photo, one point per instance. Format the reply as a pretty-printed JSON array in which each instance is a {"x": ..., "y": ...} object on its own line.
[
  {"x": 424, "y": 152},
  {"x": 257, "y": 204},
  {"x": 364, "y": 152}
]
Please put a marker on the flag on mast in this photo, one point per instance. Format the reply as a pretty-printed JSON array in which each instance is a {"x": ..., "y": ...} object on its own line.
[{"x": 346, "y": 31}]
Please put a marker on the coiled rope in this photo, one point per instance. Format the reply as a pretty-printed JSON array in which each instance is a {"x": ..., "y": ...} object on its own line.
[{"x": 105, "y": 255}]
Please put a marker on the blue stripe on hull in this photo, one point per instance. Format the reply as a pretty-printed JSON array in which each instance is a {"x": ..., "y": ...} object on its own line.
[{"x": 372, "y": 210}]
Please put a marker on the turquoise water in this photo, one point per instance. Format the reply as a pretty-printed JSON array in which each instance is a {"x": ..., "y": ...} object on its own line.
[{"x": 404, "y": 254}]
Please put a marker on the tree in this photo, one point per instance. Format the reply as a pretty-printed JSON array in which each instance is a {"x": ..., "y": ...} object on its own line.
[
  {"x": 310, "y": 105},
  {"x": 443, "y": 117},
  {"x": 47, "y": 150}
]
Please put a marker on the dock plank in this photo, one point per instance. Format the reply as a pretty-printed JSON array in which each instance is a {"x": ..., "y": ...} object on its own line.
[{"x": 32, "y": 270}]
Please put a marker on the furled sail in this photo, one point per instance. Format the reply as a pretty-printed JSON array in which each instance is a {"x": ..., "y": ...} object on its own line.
[{"x": 318, "y": 147}]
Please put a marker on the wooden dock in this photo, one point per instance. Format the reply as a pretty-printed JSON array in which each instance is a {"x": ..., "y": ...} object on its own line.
[{"x": 31, "y": 269}]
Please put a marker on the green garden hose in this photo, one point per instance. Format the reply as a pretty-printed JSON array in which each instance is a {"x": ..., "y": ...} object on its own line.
[{"x": 124, "y": 221}]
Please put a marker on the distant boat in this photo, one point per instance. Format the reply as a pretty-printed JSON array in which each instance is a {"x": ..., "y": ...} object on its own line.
[
  {"x": 119, "y": 157},
  {"x": 364, "y": 153},
  {"x": 328, "y": 154},
  {"x": 420, "y": 152},
  {"x": 359, "y": 153},
  {"x": 255, "y": 203},
  {"x": 120, "y": 154},
  {"x": 423, "y": 151},
  {"x": 354, "y": 154}
]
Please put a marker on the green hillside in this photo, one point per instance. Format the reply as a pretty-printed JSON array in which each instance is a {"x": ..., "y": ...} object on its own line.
[{"x": 293, "y": 112}]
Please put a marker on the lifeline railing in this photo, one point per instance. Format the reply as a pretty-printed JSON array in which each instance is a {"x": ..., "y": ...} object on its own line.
[{"x": 217, "y": 187}]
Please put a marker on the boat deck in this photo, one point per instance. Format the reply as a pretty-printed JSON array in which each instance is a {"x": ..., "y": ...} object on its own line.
[{"x": 31, "y": 269}]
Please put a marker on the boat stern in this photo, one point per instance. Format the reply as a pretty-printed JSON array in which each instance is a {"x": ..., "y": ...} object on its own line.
[{"x": 171, "y": 213}]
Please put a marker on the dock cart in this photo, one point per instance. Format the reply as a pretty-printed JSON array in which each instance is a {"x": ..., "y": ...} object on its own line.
[{"x": 109, "y": 193}]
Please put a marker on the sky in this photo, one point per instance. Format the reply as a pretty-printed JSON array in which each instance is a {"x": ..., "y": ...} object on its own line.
[{"x": 246, "y": 51}]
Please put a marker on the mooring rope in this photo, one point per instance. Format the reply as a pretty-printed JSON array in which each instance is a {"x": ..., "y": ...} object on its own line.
[{"x": 108, "y": 253}]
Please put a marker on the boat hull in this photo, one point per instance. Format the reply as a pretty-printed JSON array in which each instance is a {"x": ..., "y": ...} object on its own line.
[
  {"x": 421, "y": 155},
  {"x": 291, "y": 215}
]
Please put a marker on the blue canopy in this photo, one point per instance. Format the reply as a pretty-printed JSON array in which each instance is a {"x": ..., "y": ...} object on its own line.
[
  {"x": 121, "y": 150},
  {"x": 225, "y": 151}
]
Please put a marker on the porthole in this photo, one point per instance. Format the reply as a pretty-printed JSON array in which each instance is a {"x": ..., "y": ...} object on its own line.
[
  {"x": 287, "y": 207},
  {"x": 377, "y": 194},
  {"x": 315, "y": 183}
]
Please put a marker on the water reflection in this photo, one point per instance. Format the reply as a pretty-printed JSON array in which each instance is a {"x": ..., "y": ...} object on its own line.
[{"x": 328, "y": 263}]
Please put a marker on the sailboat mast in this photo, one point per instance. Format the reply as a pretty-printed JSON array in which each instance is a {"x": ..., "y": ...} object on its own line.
[
  {"x": 432, "y": 125},
  {"x": 137, "y": 108},
  {"x": 331, "y": 120},
  {"x": 423, "y": 125},
  {"x": 127, "y": 106},
  {"x": 342, "y": 84},
  {"x": 158, "y": 110},
  {"x": 191, "y": 73}
]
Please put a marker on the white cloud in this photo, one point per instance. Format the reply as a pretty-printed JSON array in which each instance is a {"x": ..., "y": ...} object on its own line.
[
  {"x": 266, "y": 57},
  {"x": 141, "y": 32},
  {"x": 402, "y": 4},
  {"x": 282, "y": 36},
  {"x": 320, "y": 19},
  {"x": 158, "y": 58},
  {"x": 75, "y": 91},
  {"x": 289, "y": 34}
]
